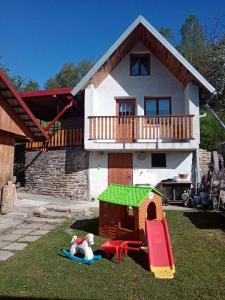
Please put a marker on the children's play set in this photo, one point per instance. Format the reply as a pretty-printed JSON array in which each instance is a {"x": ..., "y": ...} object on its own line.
[{"x": 132, "y": 217}]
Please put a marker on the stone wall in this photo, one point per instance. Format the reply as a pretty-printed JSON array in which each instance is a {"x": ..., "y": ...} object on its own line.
[
  {"x": 204, "y": 160},
  {"x": 59, "y": 173}
]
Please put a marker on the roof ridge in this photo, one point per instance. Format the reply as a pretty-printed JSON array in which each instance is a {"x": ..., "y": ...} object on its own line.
[{"x": 141, "y": 20}]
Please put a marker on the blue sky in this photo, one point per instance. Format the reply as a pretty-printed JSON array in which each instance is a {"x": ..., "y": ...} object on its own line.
[{"x": 38, "y": 36}]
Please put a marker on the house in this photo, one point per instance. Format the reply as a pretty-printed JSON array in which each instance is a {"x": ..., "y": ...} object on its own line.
[
  {"x": 123, "y": 211},
  {"x": 16, "y": 123},
  {"x": 140, "y": 109}
]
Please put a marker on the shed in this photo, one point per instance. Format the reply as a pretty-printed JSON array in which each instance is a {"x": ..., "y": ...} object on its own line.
[
  {"x": 123, "y": 210},
  {"x": 16, "y": 122}
]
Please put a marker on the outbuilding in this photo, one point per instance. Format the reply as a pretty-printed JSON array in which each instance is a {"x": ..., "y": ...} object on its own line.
[{"x": 16, "y": 123}]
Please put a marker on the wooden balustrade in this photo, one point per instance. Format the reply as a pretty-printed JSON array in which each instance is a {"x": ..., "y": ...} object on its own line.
[
  {"x": 131, "y": 129},
  {"x": 58, "y": 139}
]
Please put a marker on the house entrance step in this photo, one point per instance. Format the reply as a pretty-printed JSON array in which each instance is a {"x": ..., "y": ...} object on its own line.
[
  {"x": 43, "y": 221},
  {"x": 52, "y": 215}
]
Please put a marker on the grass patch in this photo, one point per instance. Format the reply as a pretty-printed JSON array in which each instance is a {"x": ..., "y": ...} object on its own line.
[{"x": 198, "y": 240}]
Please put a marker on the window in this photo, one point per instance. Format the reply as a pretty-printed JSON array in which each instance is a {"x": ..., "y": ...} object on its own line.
[
  {"x": 127, "y": 218},
  {"x": 126, "y": 107},
  {"x": 159, "y": 160},
  {"x": 157, "y": 106},
  {"x": 139, "y": 64}
]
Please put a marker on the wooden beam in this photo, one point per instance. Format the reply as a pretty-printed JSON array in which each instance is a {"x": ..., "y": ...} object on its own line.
[{"x": 8, "y": 109}]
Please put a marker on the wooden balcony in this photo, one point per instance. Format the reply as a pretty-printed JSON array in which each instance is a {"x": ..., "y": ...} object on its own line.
[
  {"x": 59, "y": 139},
  {"x": 137, "y": 128}
]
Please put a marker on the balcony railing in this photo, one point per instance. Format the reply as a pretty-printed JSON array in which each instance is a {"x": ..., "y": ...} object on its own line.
[
  {"x": 59, "y": 139},
  {"x": 133, "y": 129}
]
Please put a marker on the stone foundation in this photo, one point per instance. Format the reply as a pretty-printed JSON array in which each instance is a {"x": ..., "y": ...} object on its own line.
[
  {"x": 204, "y": 160},
  {"x": 59, "y": 173}
]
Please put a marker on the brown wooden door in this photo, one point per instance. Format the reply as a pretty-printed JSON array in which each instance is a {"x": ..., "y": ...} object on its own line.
[
  {"x": 120, "y": 168},
  {"x": 125, "y": 120}
]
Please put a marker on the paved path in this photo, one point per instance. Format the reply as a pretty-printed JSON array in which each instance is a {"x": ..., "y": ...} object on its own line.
[
  {"x": 178, "y": 208},
  {"x": 17, "y": 239},
  {"x": 34, "y": 216}
]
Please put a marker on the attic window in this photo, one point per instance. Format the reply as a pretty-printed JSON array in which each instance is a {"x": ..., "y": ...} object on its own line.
[{"x": 139, "y": 64}]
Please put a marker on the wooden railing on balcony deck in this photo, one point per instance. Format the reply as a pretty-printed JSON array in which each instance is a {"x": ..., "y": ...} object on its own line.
[
  {"x": 131, "y": 129},
  {"x": 58, "y": 139}
]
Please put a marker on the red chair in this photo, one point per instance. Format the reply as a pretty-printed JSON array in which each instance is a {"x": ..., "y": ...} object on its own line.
[{"x": 118, "y": 247}]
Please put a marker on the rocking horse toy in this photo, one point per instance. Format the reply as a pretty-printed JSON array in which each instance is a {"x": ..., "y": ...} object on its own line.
[{"x": 81, "y": 251}]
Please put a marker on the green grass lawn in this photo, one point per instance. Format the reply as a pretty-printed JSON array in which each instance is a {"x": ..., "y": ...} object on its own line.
[{"x": 198, "y": 240}]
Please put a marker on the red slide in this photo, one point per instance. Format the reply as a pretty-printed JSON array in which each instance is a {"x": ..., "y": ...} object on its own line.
[{"x": 159, "y": 249}]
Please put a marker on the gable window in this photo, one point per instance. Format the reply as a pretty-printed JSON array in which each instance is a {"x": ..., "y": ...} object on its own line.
[
  {"x": 159, "y": 160},
  {"x": 139, "y": 64},
  {"x": 157, "y": 106}
]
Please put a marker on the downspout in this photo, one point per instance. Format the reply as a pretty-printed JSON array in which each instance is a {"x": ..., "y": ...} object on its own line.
[
  {"x": 197, "y": 171},
  {"x": 215, "y": 116}
]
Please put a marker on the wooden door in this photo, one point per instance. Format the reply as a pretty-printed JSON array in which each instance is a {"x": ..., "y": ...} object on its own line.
[
  {"x": 125, "y": 120},
  {"x": 120, "y": 168}
]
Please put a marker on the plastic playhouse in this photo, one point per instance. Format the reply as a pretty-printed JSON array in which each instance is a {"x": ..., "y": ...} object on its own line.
[{"x": 133, "y": 216}]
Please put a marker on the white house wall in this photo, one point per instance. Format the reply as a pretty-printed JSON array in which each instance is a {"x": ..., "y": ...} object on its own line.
[
  {"x": 100, "y": 101},
  {"x": 177, "y": 162},
  {"x": 191, "y": 96},
  {"x": 119, "y": 83}
]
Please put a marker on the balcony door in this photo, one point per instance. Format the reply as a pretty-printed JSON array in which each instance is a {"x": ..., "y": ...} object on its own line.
[{"x": 125, "y": 109}]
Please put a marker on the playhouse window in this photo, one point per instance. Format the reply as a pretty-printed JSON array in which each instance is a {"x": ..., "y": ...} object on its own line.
[{"x": 128, "y": 219}]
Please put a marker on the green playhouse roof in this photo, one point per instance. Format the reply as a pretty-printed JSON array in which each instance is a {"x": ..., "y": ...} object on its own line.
[{"x": 126, "y": 194}]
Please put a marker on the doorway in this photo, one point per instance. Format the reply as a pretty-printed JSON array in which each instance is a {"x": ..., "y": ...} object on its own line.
[
  {"x": 151, "y": 211},
  {"x": 120, "y": 167}
]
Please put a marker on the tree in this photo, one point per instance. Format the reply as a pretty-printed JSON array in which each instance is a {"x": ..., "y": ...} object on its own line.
[
  {"x": 192, "y": 45},
  {"x": 167, "y": 33},
  {"x": 31, "y": 86},
  {"x": 211, "y": 133},
  {"x": 20, "y": 84},
  {"x": 69, "y": 75}
]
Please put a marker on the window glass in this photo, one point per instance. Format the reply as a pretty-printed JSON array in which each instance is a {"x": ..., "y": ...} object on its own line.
[
  {"x": 150, "y": 107},
  {"x": 126, "y": 109},
  {"x": 164, "y": 107},
  {"x": 157, "y": 107},
  {"x": 134, "y": 66},
  {"x": 144, "y": 65},
  {"x": 159, "y": 160}
]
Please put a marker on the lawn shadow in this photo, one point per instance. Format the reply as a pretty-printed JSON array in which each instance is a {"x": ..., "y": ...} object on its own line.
[
  {"x": 91, "y": 225},
  {"x": 87, "y": 225},
  {"x": 141, "y": 258},
  {"x": 28, "y": 297},
  {"x": 206, "y": 220}
]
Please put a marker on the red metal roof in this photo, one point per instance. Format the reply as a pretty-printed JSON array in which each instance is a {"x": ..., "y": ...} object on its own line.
[
  {"x": 46, "y": 104},
  {"x": 50, "y": 92},
  {"x": 14, "y": 101}
]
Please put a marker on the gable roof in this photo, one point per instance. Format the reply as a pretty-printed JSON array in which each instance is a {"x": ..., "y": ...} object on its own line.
[
  {"x": 173, "y": 60},
  {"x": 128, "y": 195},
  {"x": 12, "y": 103}
]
